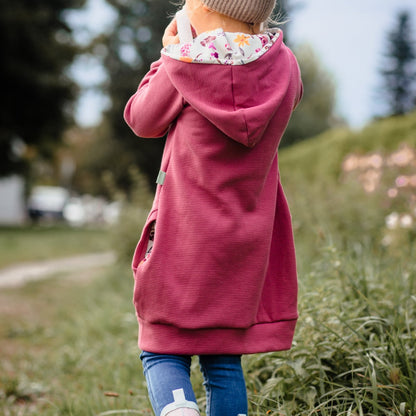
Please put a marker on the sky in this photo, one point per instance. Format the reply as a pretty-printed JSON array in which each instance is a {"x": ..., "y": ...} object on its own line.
[{"x": 348, "y": 37}]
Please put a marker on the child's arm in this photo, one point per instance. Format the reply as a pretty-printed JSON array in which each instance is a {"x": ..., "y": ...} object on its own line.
[{"x": 152, "y": 109}]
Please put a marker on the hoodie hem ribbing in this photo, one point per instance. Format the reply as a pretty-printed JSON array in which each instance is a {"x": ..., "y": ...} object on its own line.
[{"x": 166, "y": 339}]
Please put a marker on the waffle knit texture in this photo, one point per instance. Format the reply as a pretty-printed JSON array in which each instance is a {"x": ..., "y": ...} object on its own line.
[
  {"x": 221, "y": 277},
  {"x": 249, "y": 11}
]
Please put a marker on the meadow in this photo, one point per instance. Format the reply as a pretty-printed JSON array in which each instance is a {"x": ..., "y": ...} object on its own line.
[
  {"x": 68, "y": 347},
  {"x": 42, "y": 242}
]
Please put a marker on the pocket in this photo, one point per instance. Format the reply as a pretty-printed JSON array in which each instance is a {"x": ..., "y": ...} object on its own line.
[{"x": 142, "y": 246}]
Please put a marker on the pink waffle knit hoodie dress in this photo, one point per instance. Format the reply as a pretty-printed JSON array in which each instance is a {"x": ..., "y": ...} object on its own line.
[{"x": 221, "y": 276}]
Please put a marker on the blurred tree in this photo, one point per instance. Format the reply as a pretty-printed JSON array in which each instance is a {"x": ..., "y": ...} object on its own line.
[
  {"x": 131, "y": 47},
  {"x": 36, "y": 47},
  {"x": 315, "y": 112},
  {"x": 399, "y": 69}
]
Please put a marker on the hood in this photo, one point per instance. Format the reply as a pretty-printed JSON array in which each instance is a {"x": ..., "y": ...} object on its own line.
[{"x": 236, "y": 81}]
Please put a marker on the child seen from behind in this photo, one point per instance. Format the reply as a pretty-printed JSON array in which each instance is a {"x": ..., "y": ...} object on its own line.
[{"x": 215, "y": 269}]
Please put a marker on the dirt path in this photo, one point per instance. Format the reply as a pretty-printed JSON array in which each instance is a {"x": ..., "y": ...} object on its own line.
[{"x": 18, "y": 275}]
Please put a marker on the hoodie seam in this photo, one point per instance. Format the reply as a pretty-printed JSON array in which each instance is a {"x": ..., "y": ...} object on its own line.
[{"x": 235, "y": 107}]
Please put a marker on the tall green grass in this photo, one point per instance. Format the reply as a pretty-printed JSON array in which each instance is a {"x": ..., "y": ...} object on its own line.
[
  {"x": 355, "y": 346},
  {"x": 70, "y": 349},
  {"x": 354, "y": 351}
]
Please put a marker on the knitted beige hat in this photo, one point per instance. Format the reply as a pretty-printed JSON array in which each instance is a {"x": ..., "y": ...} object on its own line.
[{"x": 249, "y": 11}]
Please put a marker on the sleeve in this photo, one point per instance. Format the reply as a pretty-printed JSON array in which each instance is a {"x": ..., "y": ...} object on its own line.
[{"x": 155, "y": 105}]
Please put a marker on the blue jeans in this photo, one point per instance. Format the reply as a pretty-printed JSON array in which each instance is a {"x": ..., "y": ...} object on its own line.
[{"x": 169, "y": 385}]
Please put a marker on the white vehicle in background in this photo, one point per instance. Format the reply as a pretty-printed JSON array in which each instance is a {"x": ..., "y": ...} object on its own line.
[
  {"x": 47, "y": 202},
  {"x": 54, "y": 203},
  {"x": 86, "y": 209}
]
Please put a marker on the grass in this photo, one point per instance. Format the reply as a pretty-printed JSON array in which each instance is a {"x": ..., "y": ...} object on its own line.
[
  {"x": 31, "y": 243},
  {"x": 69, "y": 348},
  {"x": 355, "y": 347}
]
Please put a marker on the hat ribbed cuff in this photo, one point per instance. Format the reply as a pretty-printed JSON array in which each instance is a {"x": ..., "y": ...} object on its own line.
[{"x": 249, "y": 11}]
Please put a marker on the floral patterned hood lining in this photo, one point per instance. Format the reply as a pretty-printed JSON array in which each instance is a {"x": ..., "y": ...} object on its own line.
[{"x": 224, "y": 48}]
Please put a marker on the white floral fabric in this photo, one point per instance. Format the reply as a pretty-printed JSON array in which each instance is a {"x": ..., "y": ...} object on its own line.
[{"x": 225, "y": 48}]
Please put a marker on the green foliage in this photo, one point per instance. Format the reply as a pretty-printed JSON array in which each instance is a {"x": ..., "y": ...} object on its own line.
[
  {"x": 37, "y": 47},
  {"x": 315, "y": 113},
  {"x": 355, "y": 347},
  {"x": 345, "y": 185},
  {"x": 320, "y": 160},
  {"x": 132, "y": 46},
  {"x": 399, "y": 69},
  {"x": 135, "y": 209}
]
